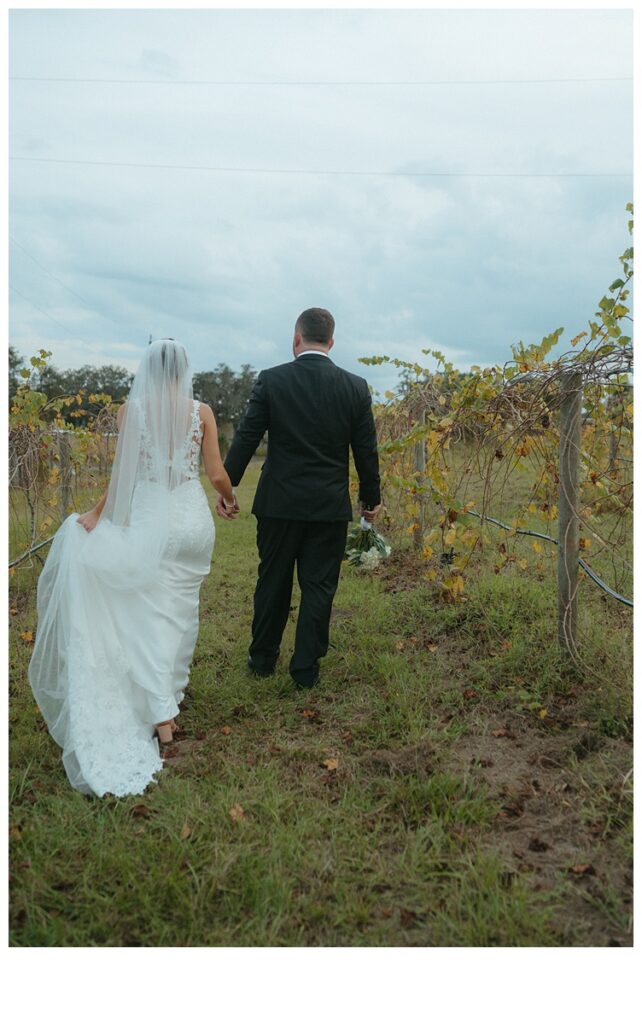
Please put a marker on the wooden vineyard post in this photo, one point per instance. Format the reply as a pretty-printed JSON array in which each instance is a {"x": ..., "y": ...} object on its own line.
[
  {"x": 420, "y": 474},
  {"x": 614, "y": 405},
  {"x": 568, "y": 551},
  {"x": 64, "y": 452}
]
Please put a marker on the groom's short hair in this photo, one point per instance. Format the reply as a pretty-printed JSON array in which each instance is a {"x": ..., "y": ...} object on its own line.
[{"x": 315, "y": 325}]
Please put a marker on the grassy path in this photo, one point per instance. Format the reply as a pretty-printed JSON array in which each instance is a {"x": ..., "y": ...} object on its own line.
[{"x": 418, "y": 797}]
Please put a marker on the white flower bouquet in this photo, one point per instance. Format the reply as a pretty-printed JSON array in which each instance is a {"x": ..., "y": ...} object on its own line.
[{"x": 365, "y": 547}]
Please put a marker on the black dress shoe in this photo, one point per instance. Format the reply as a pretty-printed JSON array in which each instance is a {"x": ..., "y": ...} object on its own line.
[
  {"x": 307, "y": 685},
  {"x": 257, "y": 670}
]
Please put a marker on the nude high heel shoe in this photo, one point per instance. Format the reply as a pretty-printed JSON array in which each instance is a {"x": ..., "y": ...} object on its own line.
[{"x": 165, "y": 730}]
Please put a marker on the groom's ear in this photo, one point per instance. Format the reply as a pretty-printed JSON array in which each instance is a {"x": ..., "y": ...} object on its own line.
[{"x": 330, "y": 344}]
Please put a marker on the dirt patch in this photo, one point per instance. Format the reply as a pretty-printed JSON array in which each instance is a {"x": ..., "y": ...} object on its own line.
[
  {"x": 401, "y": 571},
  {"x": 418, "y": 760},
  {"x": 563, "y": 803}
]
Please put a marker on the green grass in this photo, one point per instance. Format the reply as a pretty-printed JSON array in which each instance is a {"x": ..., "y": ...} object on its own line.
[{"x": 419, "y": 837}]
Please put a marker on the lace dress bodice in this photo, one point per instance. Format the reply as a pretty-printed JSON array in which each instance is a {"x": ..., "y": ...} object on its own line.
[
  {"x": 186, "y": 461},
  {"x": 192, "y": 526},
  {"x": 192, "y": 454}
]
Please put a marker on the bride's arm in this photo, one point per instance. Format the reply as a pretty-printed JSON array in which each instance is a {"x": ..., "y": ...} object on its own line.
[
  {"x": 227, "y": 505},
  {"x": 90, "y": 519}
]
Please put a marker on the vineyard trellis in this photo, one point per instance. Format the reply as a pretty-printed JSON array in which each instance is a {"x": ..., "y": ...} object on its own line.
[
  {"x": 567, "y": 420},
  {"x": 53, "y": 465}
]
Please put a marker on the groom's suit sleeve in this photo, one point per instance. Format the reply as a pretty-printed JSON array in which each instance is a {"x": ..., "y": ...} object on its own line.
[
  {"x": 249, "y": 432},
  {"x": 364, "y": 449}
]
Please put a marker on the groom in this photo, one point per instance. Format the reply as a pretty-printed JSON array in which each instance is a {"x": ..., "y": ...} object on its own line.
[{"x": 314, "y": 413}]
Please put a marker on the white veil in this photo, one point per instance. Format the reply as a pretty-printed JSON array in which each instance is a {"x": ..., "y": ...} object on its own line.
[{"x": 132, "y": 535}]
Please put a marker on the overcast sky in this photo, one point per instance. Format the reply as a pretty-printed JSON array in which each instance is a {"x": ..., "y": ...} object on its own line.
[{"x": 224, "y": 261}]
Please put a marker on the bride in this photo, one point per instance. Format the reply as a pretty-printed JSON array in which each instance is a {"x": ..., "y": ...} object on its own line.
[{"x": 118, "y": 596}]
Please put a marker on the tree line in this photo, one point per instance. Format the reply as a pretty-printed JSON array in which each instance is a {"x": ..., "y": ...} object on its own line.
[{"x": 227, "y": 391}]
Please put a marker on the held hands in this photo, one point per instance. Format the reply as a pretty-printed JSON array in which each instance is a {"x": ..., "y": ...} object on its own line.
[
  {"x": 89, "y": 520},
  {"x": 370, "y": 513},
  {"x": 225, "y": 510}
]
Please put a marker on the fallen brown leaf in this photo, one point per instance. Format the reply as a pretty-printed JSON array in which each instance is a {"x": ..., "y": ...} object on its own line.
[
  {"x": 538, "y": 845},
  {"x": 237, "y": 813},
  {"x": 27, "y": 636},
  {"x": 470, "y": 693},
  {"x": 186, "y": 831},
  {"x": 226, "y": 730},
  {"x": 140, "y": 811},
  {"x": 504, "y": 734},
  {"x": 511, "y": 810},
  {"x": 331, "y": 763},
  {"x": 408, "y": 918},
  {"x": 582, "y": 869},
  {"x": 485, "y": 762}
]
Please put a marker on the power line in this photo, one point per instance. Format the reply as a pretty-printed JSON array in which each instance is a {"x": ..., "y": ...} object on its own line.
[
  {"x": 62, "y": 283},
  {"x": 48, "y": 315},
  {"x": 325, "y": 82},
  {"x": 331, "y": 172}
]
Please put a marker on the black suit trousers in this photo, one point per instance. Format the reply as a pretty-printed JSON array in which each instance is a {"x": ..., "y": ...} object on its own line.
[{"x": 317, "y": 550}]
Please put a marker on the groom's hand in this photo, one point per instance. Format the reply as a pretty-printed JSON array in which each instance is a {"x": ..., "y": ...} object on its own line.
[{"x": 369, "y": 513}]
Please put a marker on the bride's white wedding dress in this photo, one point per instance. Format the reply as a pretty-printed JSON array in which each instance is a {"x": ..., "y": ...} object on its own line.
[{"x": 110, "y": 660}]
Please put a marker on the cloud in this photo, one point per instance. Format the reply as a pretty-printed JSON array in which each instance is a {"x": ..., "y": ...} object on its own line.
[{"x": 226, "y": 261}]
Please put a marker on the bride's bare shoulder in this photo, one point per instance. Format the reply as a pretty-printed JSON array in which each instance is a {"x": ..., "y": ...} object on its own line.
[{"x": 205, "y": 412}]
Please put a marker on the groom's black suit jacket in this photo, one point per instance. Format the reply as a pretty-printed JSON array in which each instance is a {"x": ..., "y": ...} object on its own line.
[{"x": 314, "y": 412}]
